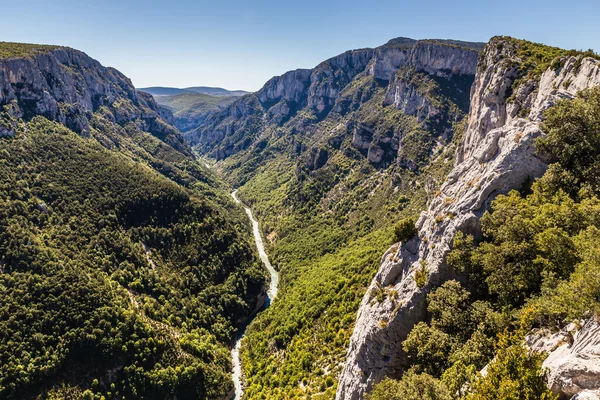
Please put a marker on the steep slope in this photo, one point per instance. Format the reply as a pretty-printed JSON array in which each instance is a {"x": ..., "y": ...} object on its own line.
[
  {"x": 190, "y": 109},
  {"x": 329, "y": 159},
  {"x": 516, "y": 81},
  {"x": 125, "y": 267}
]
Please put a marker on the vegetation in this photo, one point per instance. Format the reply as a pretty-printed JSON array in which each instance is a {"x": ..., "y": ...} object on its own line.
[
  {"x": 22, "y": 50},
  {"x": 327, "y": 214},
  {"x": 116, "y": 281},
  {"x": 538, "y": 265},
  {"x": 189, "y": 108},
  {"x": 405, "y": 230}
]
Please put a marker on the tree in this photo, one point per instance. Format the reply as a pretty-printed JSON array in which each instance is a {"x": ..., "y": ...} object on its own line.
[
  {"x": 573, "y": 140},
  {"x": 412, "y": 386},
  {"x": 514, "y": 374}
]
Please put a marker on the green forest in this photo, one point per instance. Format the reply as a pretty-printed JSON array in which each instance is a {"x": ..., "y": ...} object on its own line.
[{"x": 116, "y": 281}]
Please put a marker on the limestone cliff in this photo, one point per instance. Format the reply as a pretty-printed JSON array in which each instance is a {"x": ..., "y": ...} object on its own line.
[
  {"x": 497, "y": 154},
  {"x": 67, "y": 86},
  {"x": 299, "y": 99}
]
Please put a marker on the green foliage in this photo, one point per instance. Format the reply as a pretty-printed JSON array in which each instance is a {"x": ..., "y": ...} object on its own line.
[
  {"x": 461, "y": 330},
  {"x": 527, "y": 238},
  {"x": 514, "y": 374},
  {"x": 421, "y": 275},
  {"x": 115, "y": 279},
  {"x": 23, "y": 50},
  {"x": 405, "y": 229},
  {"x": 573, "y": 142},
  {"x": 573, "y": 299},
  {"x": 412, "y": 386}
]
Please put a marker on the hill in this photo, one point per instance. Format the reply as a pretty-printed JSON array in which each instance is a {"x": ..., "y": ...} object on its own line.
[
  {"x": 125, "y": 266},
  {"x": 408, "y": 145},
  {"x": 211, "y": 91},
  {"x": 190, "y": 109}
]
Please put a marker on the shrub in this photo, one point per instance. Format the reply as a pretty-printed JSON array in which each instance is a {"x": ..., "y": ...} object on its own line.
[
  {"x": 405, "y": 229},
  {"x": 411, "y": 387}
]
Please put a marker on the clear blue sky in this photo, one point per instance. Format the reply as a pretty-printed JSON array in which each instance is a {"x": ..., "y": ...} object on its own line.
[{"x": 240, "y": 44}]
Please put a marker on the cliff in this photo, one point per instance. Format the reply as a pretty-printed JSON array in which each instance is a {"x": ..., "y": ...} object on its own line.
[
  {"x": 302, "y": 98},
  {"x": 496, "y": 155},
  {"x": 67, "y": 86}
]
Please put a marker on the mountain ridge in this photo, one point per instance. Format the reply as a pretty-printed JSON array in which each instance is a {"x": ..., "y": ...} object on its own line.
[{"x": 208, "y": 90}]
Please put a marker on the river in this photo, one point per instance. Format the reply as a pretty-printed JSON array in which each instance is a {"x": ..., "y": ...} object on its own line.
[{"x": 271, "y": 294}]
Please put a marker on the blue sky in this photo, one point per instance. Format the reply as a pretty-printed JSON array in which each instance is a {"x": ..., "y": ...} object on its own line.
[{"x": 240, "y": 44}]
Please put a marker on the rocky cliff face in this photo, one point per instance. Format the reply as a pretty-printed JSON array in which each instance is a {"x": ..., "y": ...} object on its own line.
[
  {"x": 496, "y": 156},
  {"x": 573, "y": 361},
  {"x": 67, "y": 86},
  {"x": 302, "y": 98}
]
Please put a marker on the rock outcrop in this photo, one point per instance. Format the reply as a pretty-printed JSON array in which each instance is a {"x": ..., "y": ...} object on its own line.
[
  {"x": 67, "y": 86},
  {"x": 317, "y": 93},
  {"x": 496, "y": 156},
  {"x": 574, "y": 370}
]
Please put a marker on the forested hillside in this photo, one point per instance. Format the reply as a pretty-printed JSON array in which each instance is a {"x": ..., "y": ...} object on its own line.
[
  {"x": 125, "y": 267},
  {"x": 330, "y": 172},
  {"x": 537, "y": 266}
]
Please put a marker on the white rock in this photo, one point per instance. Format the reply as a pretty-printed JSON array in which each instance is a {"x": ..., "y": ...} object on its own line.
[{"x": 496, "y": 156}]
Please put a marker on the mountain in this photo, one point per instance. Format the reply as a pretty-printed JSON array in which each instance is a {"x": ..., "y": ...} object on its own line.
[
  {"x": 211, "y": 91},
  {"x": 297, "y": 95},
  {"x": 441, "y": 150},
  {"x": 329, "y": 159},
  {"x": 190, "y": 109},
  {"x": 215, "y": 91},
  {"x": 432, "y": 208},
  {"x": 125, "y": 267},
  {"x": 517, "y": 82}
]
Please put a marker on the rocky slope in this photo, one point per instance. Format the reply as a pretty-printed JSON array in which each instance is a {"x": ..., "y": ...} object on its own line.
[
  {"x": 67, "y": 86},
  {"x": 573, "y": 359},
  {"x": 302, "y": 98},
  {"x": 496, "y": 155}
]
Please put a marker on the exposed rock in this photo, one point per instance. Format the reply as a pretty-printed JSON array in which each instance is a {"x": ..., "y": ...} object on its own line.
[
  {"x": 410, "y": 98},
  {"x": 362, "y": 135},
  {"x": 387, "y": 61},
  {"x": 574, "y": 370},
  {"x": 303, "y": 97},
  {"x": 445, "y": 58},
  {"x": 67, "y": 86},
  {"x": 497, "y": 155},
  {"x": 587, "y": 395},
  {"x": 329, "y": 78}
]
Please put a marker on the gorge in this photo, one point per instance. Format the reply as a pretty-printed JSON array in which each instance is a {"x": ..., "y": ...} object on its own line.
[{"x": 430, "y": 208}]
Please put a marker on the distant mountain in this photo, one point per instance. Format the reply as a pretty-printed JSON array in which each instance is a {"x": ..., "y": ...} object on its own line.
[
  {"x": 212, "y": 91},
  {"x": 191, "y": 109},
  {"x": 215, "y": 91}
]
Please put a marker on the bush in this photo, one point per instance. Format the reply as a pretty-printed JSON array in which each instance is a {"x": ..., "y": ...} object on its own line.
[
  {"x": 515, "y": 374},
  {"x": 411, "y": 387},
  {"x": 405, "y": 229}
]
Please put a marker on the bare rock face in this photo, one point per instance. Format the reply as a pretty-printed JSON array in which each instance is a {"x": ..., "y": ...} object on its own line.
[
  {"x": 387, "y": 61},
  {"x": 444, "y": 58},
  {"x": 302, "y": 97},
  {"x": 574, "y": 371},
  {"x": 329, "y": 78},
  {"x": 67, "y": 86},
  {"x": 497, "y": 155}
]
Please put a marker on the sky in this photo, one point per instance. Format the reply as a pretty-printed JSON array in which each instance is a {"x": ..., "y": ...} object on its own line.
[{"x": 239, "y": 44}]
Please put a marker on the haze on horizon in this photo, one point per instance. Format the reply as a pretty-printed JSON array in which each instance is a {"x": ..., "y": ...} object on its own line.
[{"x": 240, "y": 45}]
